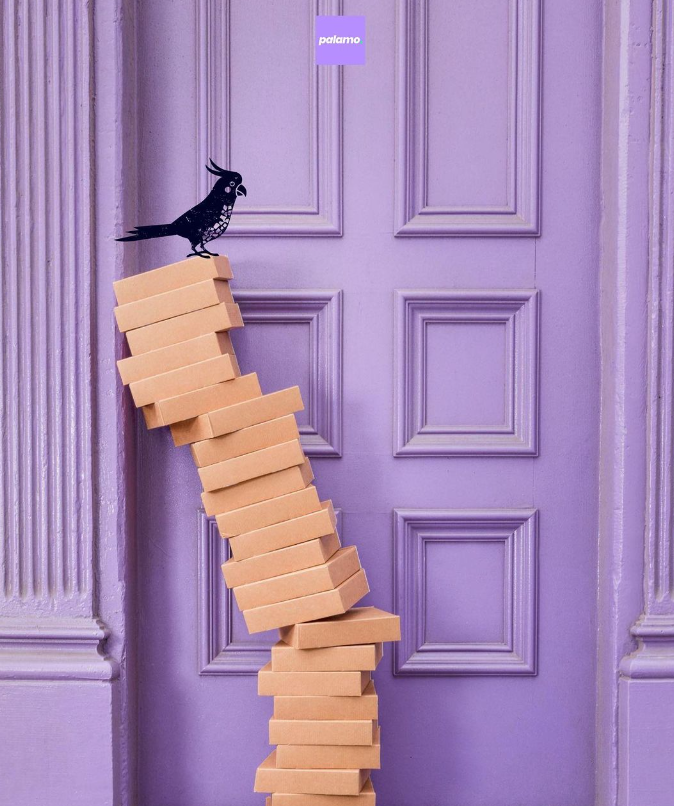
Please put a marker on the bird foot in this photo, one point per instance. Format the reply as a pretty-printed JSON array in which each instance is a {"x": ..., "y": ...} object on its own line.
[{"x": 204, "y": 255}]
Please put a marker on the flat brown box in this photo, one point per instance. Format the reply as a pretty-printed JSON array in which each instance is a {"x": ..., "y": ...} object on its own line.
[
  {"x": 287, "y": 533},
  {"x": 267, "y": 513},
  {"x": 365, "y": 706},
  {"x": 342, "y": 565},
  {"x": 269, "y": 407},
  {"x": 234, "y": 418},
  {"x": 322, "y": 731},
  {"x": 251, "y": 465},
  {"x": 366, "y": 797},
  {"x": 182, "y": 328},
  {"x": 146, "y": 365},
  {"x": 174, "y": 303},
  {"x": 167, "y": 278},
  {"x": 191, "y": 404},
  {"x": 284, "y": 561},
  {"x": 247, "y": 440},
  {"x": 361, "y": 625},
  {"x": 185, "y": 379},
  {"x": 320, "y": 782},
  {"x": 359, "y": 657},
  {"x": 330, "y": 757},
  {"x": 315, "y": 684},
  {"x": 306, "y": 608},
  {"x": 260, "y": 489}
]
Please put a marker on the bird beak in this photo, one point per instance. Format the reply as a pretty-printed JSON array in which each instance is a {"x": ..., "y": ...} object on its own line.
[{"x": 241, "y": 191}]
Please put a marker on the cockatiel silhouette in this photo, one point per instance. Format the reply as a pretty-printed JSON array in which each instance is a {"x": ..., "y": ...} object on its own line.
[{"x": 204, "y": 222}]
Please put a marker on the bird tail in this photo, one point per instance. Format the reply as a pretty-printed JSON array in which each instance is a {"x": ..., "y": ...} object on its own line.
[{"x": 153, "y": 231}]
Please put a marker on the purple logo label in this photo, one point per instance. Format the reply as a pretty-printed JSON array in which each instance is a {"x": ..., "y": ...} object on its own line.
[{"x": 340, "y": 40}]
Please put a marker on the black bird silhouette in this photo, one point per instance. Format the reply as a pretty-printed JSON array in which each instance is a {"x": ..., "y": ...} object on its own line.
[{"x": 204, "y": 222}]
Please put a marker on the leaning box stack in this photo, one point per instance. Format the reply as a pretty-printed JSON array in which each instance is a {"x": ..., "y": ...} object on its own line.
[{"x": 288, "y": 569}]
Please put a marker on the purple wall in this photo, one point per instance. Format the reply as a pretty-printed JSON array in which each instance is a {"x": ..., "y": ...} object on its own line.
[{"x": 490, "y": 462}]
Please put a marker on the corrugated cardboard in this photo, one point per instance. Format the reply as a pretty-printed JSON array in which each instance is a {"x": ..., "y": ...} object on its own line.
[
  {"x": 366, "y": 797},
  {"x": 343, "y": 564},
  {"x": 306, "y": 684},
  {"x": 267, "y": 513},
  {"x": 330, "y": 757},
  {"x": 185, "y": 379},
  {"x": 138, "y": 367},
  {"x": 365, "y": 706},
  {"x": 247, "y": 440},
  {"x": 288, "y": 533},
  {"x": 191, "y": 404},
  {"x": 283, "y": 561},
  {"x": 335, "y": 658},
  {"x": 361, "y": 625},
  {"x": 157, "y": 308},
  {"x": 167, "y": 278},
  {"x": 322, "y": 731},
  {"x": 321, "y": 782},
  {"x": 181, "y": 328},
  {"x": 307, "y": 608},
  {"x": 238, "y": 417},
  {"x": 260, "y": 489},
  {"x": 251, "y": 465},
  {"x": 268, "y": 407}
]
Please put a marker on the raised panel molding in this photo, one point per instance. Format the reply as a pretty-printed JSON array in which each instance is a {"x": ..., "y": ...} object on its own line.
[
  {"x": 517, "y": 310},
  {"x": 414, "y": 529},
  {"x": 48, "y": 628},
  {"x": 321, "y": 310},
  {"x": 323, "y": 216},
  {"x": 218, "y": 652},
  {"x": 413, "y": 215}
]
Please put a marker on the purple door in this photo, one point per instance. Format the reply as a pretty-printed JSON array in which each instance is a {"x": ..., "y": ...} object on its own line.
[{"x": 412, "y": 257}]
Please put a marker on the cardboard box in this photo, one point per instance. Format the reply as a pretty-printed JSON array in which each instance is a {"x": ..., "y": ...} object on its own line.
[
  {"x": 146, "y": 365},
  {"x": 260, "y": 489},
  {"x": 362, "y": 657},
  {"x": 267, "y": 513},
  {"x": 343, "y": 564},
  {"x": 361, "y": 625},
  {"x": 185, "y": 379},
  {"x": 306, "y": 684},
  {"x": 365, "y": 706},
  {"x": 167, "y": 278},
  {"x": 366, "y": 797},
  {"x": 247, "y": 440},
  {"x": 164, "y": 306},
  {"x": 287, "y": 533},
  {"x": 322, "y": 731},
  {"x": 307, "y": 608},
  {"x": 269, "y": 778},
  {"x": 238, "y": 417},
  {"x": 191, "y": 404},
  {"x": 330, "y": 757},
  {"x": 283, "y": 561},
  {"x": 268, "y": 407},
  {"x": 251, "y": 465},
  {"x": 182, "y": 328}
]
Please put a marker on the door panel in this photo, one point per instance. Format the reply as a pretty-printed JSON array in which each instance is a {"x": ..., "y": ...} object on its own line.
[{"x": 451, "y": 382}]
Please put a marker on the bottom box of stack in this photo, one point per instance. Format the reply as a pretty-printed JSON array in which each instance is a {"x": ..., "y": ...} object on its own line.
[
  {"x": 366, "y": 797},
  {"x": 271, "y": 778}
]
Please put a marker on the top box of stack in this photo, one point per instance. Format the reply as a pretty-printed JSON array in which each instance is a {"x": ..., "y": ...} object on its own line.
[
  {"x": 360, "y": 625},
  {"x": 168, "y": 278}
]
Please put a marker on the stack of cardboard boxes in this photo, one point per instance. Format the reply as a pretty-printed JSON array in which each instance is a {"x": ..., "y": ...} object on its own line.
[{"x": 288, "y": 569}]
